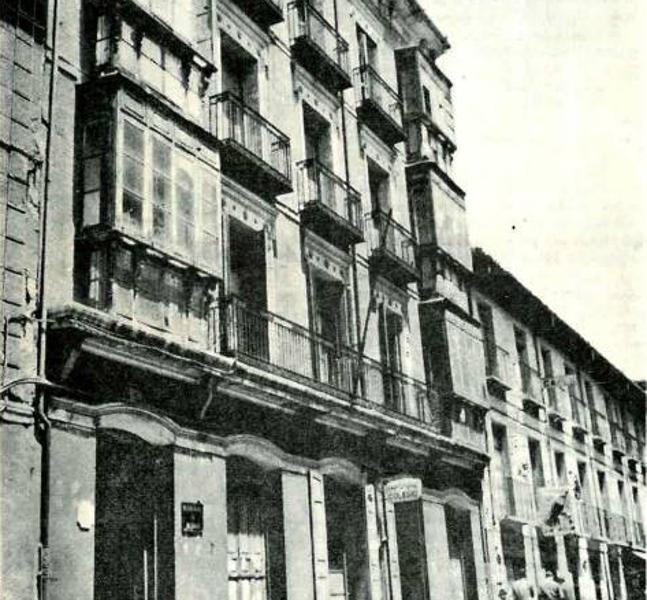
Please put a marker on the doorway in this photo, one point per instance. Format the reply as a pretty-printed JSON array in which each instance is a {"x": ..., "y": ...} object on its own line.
[{"x": 134, "y": 557}]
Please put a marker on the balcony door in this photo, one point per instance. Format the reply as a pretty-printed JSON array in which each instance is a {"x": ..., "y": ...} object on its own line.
[
  {"x": 134, "y": 532},
  {"x": 248, "y": 321},
  {"x": 367, "y": 49},
  {"x": 390, "y": 334},
  {"x": 318, "y": 148},
  {"x": 330, "y": 325}
]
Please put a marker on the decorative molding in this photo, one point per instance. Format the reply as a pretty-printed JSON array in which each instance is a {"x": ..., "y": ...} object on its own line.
[
  {"x": 343, "y": 470},
  {"x": 146, "y": 425},
  {"x": 326, "y": 257}
]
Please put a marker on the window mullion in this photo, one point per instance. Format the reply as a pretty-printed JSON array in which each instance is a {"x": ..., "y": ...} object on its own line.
[{"x": 147, "y": 209}]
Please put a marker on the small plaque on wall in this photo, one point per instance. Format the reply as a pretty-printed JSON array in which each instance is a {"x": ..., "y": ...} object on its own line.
[{"x": 192, "y": 519}]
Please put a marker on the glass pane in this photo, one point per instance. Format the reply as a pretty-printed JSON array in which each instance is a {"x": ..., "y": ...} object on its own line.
[
  {"x": 92, "y": 174},
  {"x": 160, "y": 224},
  {"x": 161, "y": 190},
  {"x": 132, "y": 210},
  {"x": 91, "y": 208},
  {"x": 161, "y": 156},
  {"x": 133, "y": 139},
  {"x": 94, "y": 138},
  {"x": 133, "y": 175}
]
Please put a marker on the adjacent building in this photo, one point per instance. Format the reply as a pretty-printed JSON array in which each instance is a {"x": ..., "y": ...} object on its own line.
[{"x": 248, "y": 351}]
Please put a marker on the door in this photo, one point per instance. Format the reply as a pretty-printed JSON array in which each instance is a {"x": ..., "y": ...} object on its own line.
[
  {"x": 391, "y": 326},
  {"x": 134, "y": 530}
]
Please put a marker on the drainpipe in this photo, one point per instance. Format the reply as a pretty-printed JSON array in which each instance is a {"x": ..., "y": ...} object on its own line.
[
  {"x": 42, "y": 424},
  {"x": 353, "y": 252}
]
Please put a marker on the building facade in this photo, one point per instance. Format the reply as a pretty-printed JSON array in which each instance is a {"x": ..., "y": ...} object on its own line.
[{"x": 248, "y": 351}]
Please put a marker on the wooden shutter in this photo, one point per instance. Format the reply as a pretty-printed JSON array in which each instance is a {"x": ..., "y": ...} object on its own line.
[
  {"x": 392, "y": 538},
  {"x": 373, "y": 542},
  {"x": 319, "y": 537}
]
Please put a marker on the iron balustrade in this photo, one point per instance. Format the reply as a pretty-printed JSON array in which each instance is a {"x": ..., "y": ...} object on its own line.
[
  {"x": 230, "y": 119},
  {"x": 306, "y": 21},
  {"x": 398, "y": 241},
  {"x": 268, "y": 338},
  {"x": 399, "y": 392},
  {"x": 317, "y": 184},
  {"x": 370, "y": 86}
]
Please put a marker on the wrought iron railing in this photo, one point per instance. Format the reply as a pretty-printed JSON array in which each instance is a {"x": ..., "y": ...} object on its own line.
[
  {"x": 397, "y": 241},
  {"x": 317, "y": 184},
  {"x": 230, "y": 119},
  {"x": 267, "y": 338},
  {"x": 306, "y": 21},
  {"x": 370, "y": 86}
]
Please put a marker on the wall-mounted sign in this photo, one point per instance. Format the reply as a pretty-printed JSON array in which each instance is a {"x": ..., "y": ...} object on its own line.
[
  {"x": 192, "y": 519},
  {"x": 404, "y": 489}
]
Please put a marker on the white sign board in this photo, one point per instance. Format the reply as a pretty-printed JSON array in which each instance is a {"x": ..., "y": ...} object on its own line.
[{"x": 405, "y": 489}]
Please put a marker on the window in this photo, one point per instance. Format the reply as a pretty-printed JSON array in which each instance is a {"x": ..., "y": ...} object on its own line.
[
  {"x": 239, "y": 71},
  {"x": 584, "y": 485},
  {"x": 426, "y": 98},
  {"x": 485, "y": 316},
  {"x": 560, "y": 467},
  {"x": 367, "y": 49},
  {"x": 378, "y": 183},
  {"x": 165, "y": 196},
  {"x": 317, "y": 137},
  {"x": 94, "y": 151},
  {"x": 536, "y": 463},
  {"x": 133, "y": 169}
]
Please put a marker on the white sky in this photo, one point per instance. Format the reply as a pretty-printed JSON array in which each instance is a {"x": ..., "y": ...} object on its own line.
[{"x": 550, "y": 99}]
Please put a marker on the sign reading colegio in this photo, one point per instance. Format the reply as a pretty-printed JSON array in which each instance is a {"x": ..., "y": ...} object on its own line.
[{"x": 404, "y": 489}]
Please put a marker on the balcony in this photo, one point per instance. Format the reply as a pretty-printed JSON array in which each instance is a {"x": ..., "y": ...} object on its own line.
[
  {"x": 378, "y": 105},
  {"x": 263, "y": 12},
  {"x": 515, "y": 500},
  {"x": 329, "y": 207},
  {"x": 392, "y": 248},
  {"x": 274, "y": 344},
  {"x": 498, "y": 370},
  {"x": 252, "y": 151},
  {"x": 531, "y": 390},
  {"x": 589, "y": 523},
  {"x": 318, "y": 47}
]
